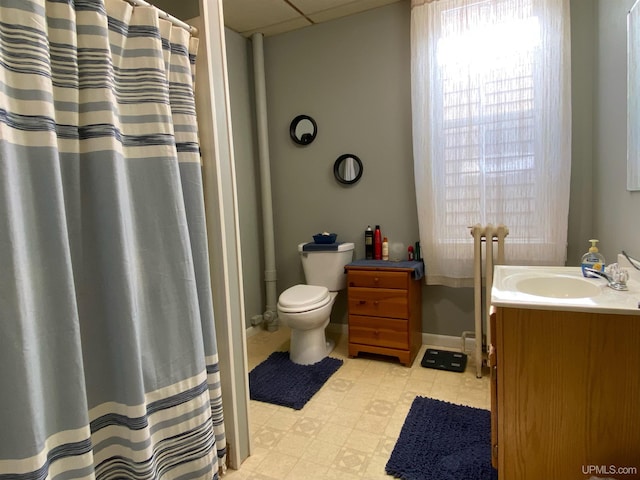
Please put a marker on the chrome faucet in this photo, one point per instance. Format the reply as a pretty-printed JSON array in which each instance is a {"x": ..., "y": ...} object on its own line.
[{"x": 619, "y": 283}]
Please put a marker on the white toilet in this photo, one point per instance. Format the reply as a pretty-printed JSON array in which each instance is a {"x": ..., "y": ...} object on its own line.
[{"x": 305, "y": 309}]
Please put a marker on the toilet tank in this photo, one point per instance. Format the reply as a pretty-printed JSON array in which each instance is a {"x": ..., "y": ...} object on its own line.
[{"x": 326, "y": 268}]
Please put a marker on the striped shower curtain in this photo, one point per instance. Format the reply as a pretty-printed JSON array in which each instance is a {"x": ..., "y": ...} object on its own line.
[{"x": 108, "y": 357}]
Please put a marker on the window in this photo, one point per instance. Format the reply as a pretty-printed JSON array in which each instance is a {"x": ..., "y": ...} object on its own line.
[{"x": 491, "y": 108}]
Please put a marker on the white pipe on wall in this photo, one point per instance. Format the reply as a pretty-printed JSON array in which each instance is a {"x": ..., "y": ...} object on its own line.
[
  {"x": 270, "y": 313},
  {"x": 477, "y": 231}
]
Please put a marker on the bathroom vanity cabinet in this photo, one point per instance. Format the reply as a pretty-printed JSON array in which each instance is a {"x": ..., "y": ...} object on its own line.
[
  {"x": 385, "y": 311},
  {"x": 565, "y": 399}
]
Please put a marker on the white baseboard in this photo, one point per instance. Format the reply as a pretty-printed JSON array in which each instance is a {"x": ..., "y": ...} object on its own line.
[
  {"x": 431, "y": 339},
  {"x": 448, "y": 341},
  {"x": 341, "y": 328},
  {"x": 251, "y": 331}
]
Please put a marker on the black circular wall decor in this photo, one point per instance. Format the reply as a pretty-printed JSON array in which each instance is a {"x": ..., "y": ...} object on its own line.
[
  {"x": 303, "y": 130},
  {"x": 348, "y": 169}
]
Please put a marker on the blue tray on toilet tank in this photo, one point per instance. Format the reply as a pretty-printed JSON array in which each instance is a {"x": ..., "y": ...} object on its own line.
[{"x": 321, "y": 238}]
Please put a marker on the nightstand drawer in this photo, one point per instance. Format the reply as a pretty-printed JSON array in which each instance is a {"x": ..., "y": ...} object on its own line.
[
  {"x": 378, "y": 331},
  {"x": 377, "y": 279},
  {"x": 378, "y": 302}
]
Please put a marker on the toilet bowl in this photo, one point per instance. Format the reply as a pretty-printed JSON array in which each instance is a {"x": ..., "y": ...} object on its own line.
[
  {"x": 306, "y": 308},
  {"x": 307, "y": 321}
]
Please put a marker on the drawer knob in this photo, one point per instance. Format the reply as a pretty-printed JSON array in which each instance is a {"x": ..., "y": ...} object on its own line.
[
  {"x": 375, "y": 302},
  {"x": 362, "y": 302},
  {"x": 376, "y": 279}
]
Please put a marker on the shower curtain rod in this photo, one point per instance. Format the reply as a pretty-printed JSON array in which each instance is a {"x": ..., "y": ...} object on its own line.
[{"x": 162, "y": 14}]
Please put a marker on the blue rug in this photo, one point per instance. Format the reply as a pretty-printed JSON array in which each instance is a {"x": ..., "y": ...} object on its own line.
[
  {"x": 280, "y": 381},
  {"x": 443, "y": 441}
]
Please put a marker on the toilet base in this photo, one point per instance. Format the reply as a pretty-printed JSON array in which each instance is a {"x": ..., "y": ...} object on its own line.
[
  {"x": 330, "y": 346},
  {"x": 309, "y": 346}
]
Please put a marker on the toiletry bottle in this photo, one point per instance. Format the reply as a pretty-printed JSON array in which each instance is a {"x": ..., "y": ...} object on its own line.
[
  {"x": 368, "y": 243},
  {"x": 410, "y": 256},
  {"x": 377, "y": 243},
  {"x": 592, "y": 259},
  {"x": 385, "y": 249}
]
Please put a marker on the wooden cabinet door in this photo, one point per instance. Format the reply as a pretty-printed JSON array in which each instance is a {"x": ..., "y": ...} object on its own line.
[
  {"x": 493, "y": 365},
  {"x": 568, "y": 393}
]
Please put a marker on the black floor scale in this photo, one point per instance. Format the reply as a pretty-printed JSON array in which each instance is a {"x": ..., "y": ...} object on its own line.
[{"x": 444, "y": 360}]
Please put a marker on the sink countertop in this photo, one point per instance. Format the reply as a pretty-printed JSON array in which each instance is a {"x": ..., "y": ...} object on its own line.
[{"x": 505, "y": 291}]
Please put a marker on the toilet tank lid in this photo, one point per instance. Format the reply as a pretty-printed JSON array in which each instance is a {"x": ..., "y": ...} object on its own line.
[
  {"x": 342, "y": 247},
  {"x": 302, "y": 295}
]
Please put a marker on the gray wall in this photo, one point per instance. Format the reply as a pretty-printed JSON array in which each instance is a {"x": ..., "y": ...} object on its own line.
[
  {"x": 352, "y": 76},
  {"x": 617, "y": 222},
  {"x": 239, "y": 64},
  {"x": 581, "y": 200},
  {"x": 183, "y": 10}
]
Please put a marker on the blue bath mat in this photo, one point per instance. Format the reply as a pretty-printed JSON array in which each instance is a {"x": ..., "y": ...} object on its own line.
[
  {"x": 443, "y": 441},
  {"x": 280, "y": 381}
]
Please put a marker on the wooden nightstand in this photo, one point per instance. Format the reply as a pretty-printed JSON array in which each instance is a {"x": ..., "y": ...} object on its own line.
[{"x": 385, "y": 311}]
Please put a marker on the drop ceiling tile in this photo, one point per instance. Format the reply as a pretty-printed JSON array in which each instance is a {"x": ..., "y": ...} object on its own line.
[
  {"x": 282, "y": 27},
  {"x": 347, "y": 9},
  {"x": 247, "y": 15},
  {"x": 314, "y": 6}
]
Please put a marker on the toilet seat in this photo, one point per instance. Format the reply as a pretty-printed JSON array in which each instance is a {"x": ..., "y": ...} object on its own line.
[{"x": 303, "y": 298}]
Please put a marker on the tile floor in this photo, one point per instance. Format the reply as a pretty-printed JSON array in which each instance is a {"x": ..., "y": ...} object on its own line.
[{"x": 349, "y": 428}]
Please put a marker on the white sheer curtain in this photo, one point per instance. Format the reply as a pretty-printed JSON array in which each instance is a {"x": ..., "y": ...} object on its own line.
[{"x": 491, "y": 104}]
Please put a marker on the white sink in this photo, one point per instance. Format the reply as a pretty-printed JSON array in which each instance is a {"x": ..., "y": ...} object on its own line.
[{"x": 560, "y": 288}]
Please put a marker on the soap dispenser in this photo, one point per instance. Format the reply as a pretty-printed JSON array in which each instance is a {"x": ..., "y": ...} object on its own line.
[{"x": 592, "y": 259}]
